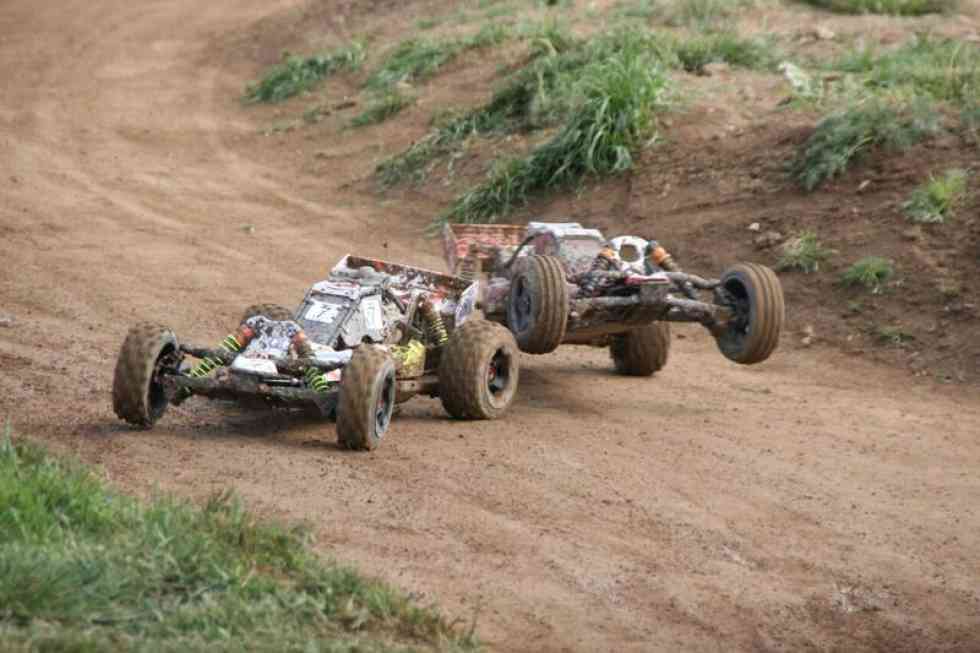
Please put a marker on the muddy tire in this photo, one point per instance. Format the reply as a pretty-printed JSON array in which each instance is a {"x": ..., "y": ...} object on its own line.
[
  {"x": 271, "y": 311},
  {"x": 138, "y": 396},
  {"x": 479, "y": 371},
  {"x": 753, "y": 334},
  {"x": 641, "y": 351},
  {"x": 367, "y": 399},
  {"x": 537, "y": 309}
]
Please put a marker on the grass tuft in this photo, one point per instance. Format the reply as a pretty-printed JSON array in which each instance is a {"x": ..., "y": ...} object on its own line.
[
  {"x": 889, "y": 7},
  {"x": 298, "y": 74},
  {"x": 934, "y": 201},
  {"x": 803, "y": 253},
  {"x": 83, "y": 568},
  {"x": 418, "y": 59},
  {"x": 871, "y": 272},
  {"x": 698, "y": 51},
  {"x": 384, "y": 106},
  {"x": 944, "y": 69},
  {"x": 843, "y": 136}
]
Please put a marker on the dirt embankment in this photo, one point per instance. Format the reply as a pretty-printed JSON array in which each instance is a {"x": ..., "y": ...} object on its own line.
[{"x": 818, "y": 501}]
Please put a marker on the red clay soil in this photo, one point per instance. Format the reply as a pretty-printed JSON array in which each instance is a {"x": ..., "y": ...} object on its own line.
[{"x": 818, "y": 501}]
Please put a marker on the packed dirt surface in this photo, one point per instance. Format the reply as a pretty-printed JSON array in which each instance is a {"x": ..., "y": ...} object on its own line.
[{"x": 815, "y": 502}]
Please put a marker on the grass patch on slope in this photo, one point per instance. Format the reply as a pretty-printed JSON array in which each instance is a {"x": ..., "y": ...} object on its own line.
[
  {"x": 889, "y": 7},
  {"x": 419, "y": 59},
  {"x": 943, "y": 69},
  {"x": 298, "y": 74},
  {"x": 844, "y": 136},
  {"x": 83, "y": 568},
  {"x": 544, "y": 92},
  {"x": 620, "y": 94}
]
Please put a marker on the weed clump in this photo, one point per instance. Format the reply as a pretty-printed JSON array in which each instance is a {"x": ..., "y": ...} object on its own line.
[
  {"x": 418, "y": 59},
  {"x": 870, "y": 272},
  {"x": 696, "y": 52},
  {"x": 298, "y": 74},
  {"x": 889, "y": 7},
  {"x": 935, "y": 200},
  {"x": 620, "y": 94},
  {"x": 843, "y": 136},
  {"x": 944, "y": 69},
  {"x": 386, "y": 105},
  {"x": 803, "y": 253}
]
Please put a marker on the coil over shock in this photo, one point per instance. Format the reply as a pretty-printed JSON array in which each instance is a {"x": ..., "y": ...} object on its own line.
[
  {"x": 232, "y": 343},
  {"x": 435, "y": 323},
  {"x": 317, "y": 380}
]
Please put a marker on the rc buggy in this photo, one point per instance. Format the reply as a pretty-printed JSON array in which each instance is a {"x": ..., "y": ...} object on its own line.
[
  {"x": 371, "y": 335},
  {"x": 554, "y": 283}
]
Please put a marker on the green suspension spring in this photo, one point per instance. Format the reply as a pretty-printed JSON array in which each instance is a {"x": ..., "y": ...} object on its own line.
[
  {"x": 317, "y": 380},
  {"x": 209, "y": 364},
  {"x": 436, "y": 325}
]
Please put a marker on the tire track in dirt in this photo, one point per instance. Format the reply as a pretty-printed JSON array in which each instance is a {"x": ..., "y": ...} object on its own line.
[{"x": 812, "y": 502}]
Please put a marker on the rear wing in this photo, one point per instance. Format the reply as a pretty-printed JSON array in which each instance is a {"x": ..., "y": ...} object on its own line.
[
  {"x": 409, "y": 277},
  {"x": 488, "y": 239}
]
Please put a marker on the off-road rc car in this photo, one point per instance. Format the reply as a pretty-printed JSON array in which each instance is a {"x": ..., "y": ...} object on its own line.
[
  {"x": 554, "y": 283},
  {"x": 373, "y": 334}
]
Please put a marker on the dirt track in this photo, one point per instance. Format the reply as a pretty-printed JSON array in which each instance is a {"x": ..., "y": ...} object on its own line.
[{"x": 813, "y": 502}]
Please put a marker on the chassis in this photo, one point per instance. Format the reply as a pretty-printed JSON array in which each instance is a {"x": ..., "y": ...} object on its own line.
[
  {"x": 541, "y": 281},
  {"x": 371, "y": 335}
]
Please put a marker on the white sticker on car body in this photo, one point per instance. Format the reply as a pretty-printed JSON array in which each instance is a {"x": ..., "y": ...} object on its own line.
[
  {"x": 322, "y": 312},
  {"x": 373, "y": 317}
]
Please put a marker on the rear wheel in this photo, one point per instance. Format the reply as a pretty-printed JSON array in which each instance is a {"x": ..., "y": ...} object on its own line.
[
  {"x": 367, "y": 399},
  {"x": 641, "y": 351},
  {"x": 271, "y": 311},
  {"x": 754, "y": 294},
  {"x": 479, "y": 370},
  {"x": 537, "y": 308},
  {"x": 138, "y": 396}
]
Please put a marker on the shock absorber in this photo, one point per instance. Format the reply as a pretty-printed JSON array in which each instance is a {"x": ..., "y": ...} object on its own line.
[
  {"x": 232, "y": 343},
  {"x": 317, "y": 379},
  {"x": 434, "y": 320}
]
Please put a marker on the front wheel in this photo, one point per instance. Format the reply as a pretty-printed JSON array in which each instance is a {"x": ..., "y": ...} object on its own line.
[
  {"x": 479, "y": 370},
  {"x": 755, "y": 296},
  {"x": 367, "y": 399},
  {"x": 537, "y": 308},
  {"x": 138, "y": 396}
]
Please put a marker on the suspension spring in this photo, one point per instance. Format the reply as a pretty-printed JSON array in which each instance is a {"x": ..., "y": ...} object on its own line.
[
  {"x": 208, "y": 364},
  {"x": 317, "y": 380},
  {"x": 436, "y": 325}
]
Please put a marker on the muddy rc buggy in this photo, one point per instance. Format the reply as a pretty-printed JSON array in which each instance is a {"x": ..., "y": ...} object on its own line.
[
  {"x": 554, "y": 283},
  {"x": 373, "y": 334}
]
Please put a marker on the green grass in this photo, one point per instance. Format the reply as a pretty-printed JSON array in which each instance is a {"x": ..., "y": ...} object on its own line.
[
  {"x": 892, "y": 335},
  {"x": 636, "y": 9},
  {"x": 418, "y": 59},
  {"x": 803, "y": 253},
  {"x": 384, "y": 106},
  {"x": 298, "y": 74},
  {"x": 871, "y": 272},
  {"x": 935, "y": 200},
  {"x": 620, "y": 95},
  {"x": 84, "y": 568},
  {"x": 943, "y": 69},
  {"x": 697, "y": 51},
  {"x": 890, "y": 7},
  {"x": 842, "y": 137},
  {"x": 703, "y": 14}
]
